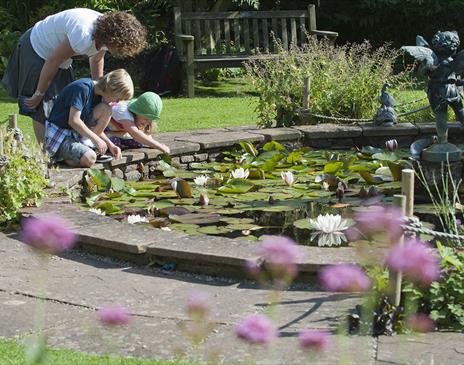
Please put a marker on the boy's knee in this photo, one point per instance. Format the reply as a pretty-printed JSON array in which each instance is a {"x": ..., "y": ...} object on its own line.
[{"x": 88, "y": 159}]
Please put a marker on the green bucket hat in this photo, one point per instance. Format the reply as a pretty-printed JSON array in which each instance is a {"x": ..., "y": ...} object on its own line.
[{"x": 148, "y": 105}]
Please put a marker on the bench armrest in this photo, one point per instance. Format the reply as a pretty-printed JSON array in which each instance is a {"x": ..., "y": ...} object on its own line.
[
  {"x": 185, "y": 37},
  {"x": 324, "y": 33}
]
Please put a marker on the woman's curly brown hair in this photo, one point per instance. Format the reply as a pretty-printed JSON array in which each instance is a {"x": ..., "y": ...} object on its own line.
[{"x": 121, "y": 32}]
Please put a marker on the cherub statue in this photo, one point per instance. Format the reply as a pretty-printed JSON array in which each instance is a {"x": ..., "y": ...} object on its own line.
[{"x": 443, "y": 65}]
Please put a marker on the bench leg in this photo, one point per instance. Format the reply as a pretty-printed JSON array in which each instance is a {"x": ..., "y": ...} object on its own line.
[{"x": 190, "y": 70}]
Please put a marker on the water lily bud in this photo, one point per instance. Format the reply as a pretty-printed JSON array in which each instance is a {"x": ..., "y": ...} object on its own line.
[
  {"x": 204, "y": 200},
  {"x": 391, "y": 145}
]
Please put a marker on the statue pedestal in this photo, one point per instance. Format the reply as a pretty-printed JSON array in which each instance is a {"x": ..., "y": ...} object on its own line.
[
  {"x": 441, "y": 152},
  {"x": 439, "y": 176}
]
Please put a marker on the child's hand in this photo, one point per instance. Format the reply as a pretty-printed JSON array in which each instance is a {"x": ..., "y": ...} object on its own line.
[
  {"x": 100, "y": 145},
  {"x": 115, "y": 151},
  {"x": 164, "y": 148}
]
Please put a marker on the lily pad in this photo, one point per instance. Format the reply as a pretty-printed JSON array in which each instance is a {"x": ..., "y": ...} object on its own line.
[
  {"x": 214, "y": 230},
  {"x": 197, "y": 218},
  {"x": 237, "y": 186}
]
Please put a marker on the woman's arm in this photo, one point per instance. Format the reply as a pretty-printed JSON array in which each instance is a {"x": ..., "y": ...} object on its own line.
[
  {"x": 48, "y": 72},
  {"x": 76, "y": 123},
  {"x": 143, "y": 138},
  {"x": 96, "y": 63}
]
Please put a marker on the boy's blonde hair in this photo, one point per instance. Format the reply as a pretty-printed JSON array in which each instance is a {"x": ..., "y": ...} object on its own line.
[{"x": 118, "y": 83}]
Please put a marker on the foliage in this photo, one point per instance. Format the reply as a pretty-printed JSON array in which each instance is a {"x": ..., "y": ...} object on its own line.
[
  {"x": 22, "y": 180},
  {"x": 345, "y": 81}
]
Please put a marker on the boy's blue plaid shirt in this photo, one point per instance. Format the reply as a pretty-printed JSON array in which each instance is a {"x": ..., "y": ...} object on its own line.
[{"x": 54, "y": 136}]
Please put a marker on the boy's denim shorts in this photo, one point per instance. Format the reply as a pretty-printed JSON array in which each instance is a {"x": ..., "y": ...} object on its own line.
[{"x": 71, "y": 150}]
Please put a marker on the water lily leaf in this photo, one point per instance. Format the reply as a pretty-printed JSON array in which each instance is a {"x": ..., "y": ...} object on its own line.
[
  {"x": 178, "y": 211},
  {"x": 159, "y": 222},
  {"x": 395, "y": 169},
  {"x": 333, "y": 167},
  {"x": 185, "y": 227},
  {"x": 184, "y": 201},
  {"x": 237, "y": 186},
  {"x": 109, "y": 208},
  {"x": 252, "y": 196},
  {"x": 243, "y": 227},
  {"x": 213, "y": 230},
  {"x": 161, "y": 204},
  {"x": 256, "y": 174},
  {"x": 303, "y": 224},
  {"x": 385, "y": 156},
  {"x": 371, "y": 179},
  {"x": 114, "y": 195},
  {"x": 197, "y": 218},
  {"x": 369, "y": 150},
  {"x": 273, "y": 146},
  {"x": 145, "y": 194},
  {"x": 92, "y": 199},
  {"x": 294, "y": 157},
  {"x": 234, "y": 220},
  {"x": 117, "y": 184},
  {"x": 101, "y": 179},
  {"x": 183, "y": 189},
  {"x": 249, "y": 148},
  {"x": 319, "y": 194}
]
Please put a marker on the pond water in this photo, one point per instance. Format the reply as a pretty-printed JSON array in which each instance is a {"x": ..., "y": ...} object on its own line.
[{"x": 250, "y": 193}]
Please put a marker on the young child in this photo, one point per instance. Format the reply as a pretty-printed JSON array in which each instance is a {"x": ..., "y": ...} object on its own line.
[
  {"x": 82, "y": 110},
  {"x": 132, "y": 122}
]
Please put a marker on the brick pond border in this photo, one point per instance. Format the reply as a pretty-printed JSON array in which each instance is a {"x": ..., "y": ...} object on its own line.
[{"x": 208, "y": 254}]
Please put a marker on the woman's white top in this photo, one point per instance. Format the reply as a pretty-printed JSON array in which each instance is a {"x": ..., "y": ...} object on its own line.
[{"x": 75, "y": 24}]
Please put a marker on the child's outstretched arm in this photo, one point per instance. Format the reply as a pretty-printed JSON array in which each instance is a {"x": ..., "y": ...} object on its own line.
[
  {"x": 143, "y": 138},
  {"x": 76, "y": 123}
]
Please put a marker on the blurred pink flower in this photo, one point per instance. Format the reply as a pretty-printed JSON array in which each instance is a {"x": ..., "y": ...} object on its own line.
[
  {"x": 113, "y": 315},
  {"x": 253, "y": 267},
  {"x": 314, "y": 340},
  {"x": 344, "y": 278},
  {"x": 379, "y": 219},
  {"x": 49, "y": 234},
  {"x": 280, "y": 255},
  {"x": 256, "y": 329},
  {"x": 420, "y": 323},
  {"x": 198, "y": 305},
  {"x": 416, "y": 260}
]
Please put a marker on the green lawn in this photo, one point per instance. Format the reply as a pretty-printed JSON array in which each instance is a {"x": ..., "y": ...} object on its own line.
[
  {"x": 218, "y": 104},
  {"x": 12, "y": 353}
]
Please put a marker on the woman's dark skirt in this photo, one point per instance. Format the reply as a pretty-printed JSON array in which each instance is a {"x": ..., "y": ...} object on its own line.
[{"x": 22, "y": 75}]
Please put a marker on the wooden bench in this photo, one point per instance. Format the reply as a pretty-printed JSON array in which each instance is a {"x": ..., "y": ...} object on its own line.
[{"x": 227, "y": 39}]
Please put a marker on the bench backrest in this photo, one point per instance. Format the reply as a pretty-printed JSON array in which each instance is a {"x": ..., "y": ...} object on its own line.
[{"x": 244, "y": 32}]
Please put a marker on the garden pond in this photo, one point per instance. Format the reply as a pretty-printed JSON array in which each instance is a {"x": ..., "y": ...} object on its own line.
[{"x": 302, "y": 193}]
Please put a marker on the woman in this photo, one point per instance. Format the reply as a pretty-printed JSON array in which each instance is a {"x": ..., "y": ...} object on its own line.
[{"x": 40, "y": 65}]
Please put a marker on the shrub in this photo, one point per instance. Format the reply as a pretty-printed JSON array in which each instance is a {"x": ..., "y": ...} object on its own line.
[
  {"x": 345, "y": 81},
  {"x": 22, "y": 178}
]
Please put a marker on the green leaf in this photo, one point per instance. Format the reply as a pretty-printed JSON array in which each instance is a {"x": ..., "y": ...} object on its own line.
[
  {"x": 109, "y": 208},
  {"x": 237, "y": 186},
  {"x": 101, "y": 179},
  {"x": 385, "y": 156},
  {"x": 249, "y": 148},
  {"x": 333, "y": 167},
  {"x": 273, "y": 146},
  {"x": 117, "y": 184}
]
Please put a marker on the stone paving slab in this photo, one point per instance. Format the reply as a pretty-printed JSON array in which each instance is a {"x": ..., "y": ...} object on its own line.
[
  {"x": 65, "y": 177},
  {"x": 399, "y": 129},
  {"x": 428, "y": 348},
  {"x": 329, "y": 130},
  {"x": 221, "y": 139},
  {"x": 278, "y": 134}
]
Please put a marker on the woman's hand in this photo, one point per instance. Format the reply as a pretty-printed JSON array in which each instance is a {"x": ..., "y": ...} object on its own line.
[
  {"x": 164, "y": 148},
  {"x": 33, "y": 101},
  {"x": 115, "y": 151}
]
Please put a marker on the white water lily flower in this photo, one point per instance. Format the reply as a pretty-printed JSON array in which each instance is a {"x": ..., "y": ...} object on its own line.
[
  {"x": 97, "y": 211},
  {"x": 132, "y": 219},
  {"x": 240, "y": 173},
  {"x": 325, "y": 186},
  {"x": 329, "y": 229},
  {"x": 288, "y": 177},
  {"x": 201, "y": 180}
]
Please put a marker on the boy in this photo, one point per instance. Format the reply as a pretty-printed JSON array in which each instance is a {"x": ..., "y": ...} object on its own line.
[{"x": 82, "y": 110}]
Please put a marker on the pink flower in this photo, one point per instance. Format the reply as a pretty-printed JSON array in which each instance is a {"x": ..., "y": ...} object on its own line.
[
  {"x": 391, "y": 144},
  {"x": 113, "y": 315},
  {"x": 344, "y": 278},
  {"x": 197, "y": 305},
  {"x": 253, "y": 267},
  {"x": 416, "y": 260},
  {"x": 379, "y": 219},
  {"x": 313, "y": 340},
  {"x": 420, "y": 323},
  {"x": 280, "y": 255},
  {"x": 256, "y": 329},
  {"x": 47, "y": 234}
]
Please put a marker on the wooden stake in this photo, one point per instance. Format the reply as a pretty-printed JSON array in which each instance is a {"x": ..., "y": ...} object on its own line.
[
  {"x": 395, "y": 278},
  {"x": 407, "y": 189},
  {"x": 306, "y": 92},
  {"x": 13, "y": 120}
]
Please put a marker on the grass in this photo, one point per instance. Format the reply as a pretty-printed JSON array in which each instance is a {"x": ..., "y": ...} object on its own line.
[
  {"x": 218, "y": 104},
  {"x": 12, "y": 353}
]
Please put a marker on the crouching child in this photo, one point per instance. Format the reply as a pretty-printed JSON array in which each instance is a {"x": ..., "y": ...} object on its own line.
[
  {"x": 132, "y": 122},
  {"x": 82, "y": 111}
]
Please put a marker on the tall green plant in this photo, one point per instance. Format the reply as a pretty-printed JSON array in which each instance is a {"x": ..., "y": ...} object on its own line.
[
  {"x": 345, "y": 81},
  {"x": 22, "y": 180}
]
